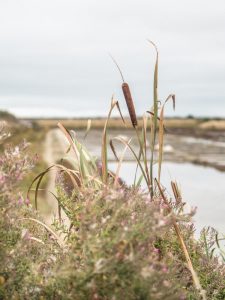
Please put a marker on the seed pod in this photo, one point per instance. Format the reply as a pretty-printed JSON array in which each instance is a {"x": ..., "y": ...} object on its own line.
[{"x": 130, "y": 103}]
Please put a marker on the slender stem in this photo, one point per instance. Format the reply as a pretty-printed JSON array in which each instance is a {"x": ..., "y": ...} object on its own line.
[
  {"x": 144, "y": 160},
  {"x": 183, "y": 246}
]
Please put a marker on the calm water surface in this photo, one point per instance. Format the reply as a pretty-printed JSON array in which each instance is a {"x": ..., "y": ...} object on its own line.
[{"x": 201, "y": 187}]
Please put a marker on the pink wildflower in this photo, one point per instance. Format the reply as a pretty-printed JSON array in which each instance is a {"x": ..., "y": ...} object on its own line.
[
  {"x": 165, "y": 270},
  {"x": 20, "y": 200},
  {"x": 27, "y": 201},
  {"x": 156, "y": 250}
]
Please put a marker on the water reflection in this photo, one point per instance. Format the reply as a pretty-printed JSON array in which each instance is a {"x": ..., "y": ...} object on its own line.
[{"x": 201, "y": 187}]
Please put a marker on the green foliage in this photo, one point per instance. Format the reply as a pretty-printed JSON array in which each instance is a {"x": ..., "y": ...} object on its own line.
[{"x": 6, "y": 116}]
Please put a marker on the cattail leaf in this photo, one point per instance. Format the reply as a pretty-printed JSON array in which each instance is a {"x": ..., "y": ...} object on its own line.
[
  {"x": 183, "y": 246},
  {"x": 82, "y": 164},
  {"x": 37, "y": 189},
  {"x": 144, "y": 147},
  {"x": 136, "y": 158},
  {"x": 115, "y": 62},
  {"x": 161, "y": 137},
  {"x": 47, "y": 228},
  {"x": 88, "y": 128},
  {"x": 104, "y": 153},
  {"x": 152, "y": 114},
  {"x": 155, "y": 111},
  {"x": 40, "y": 177},
  {"x": 173, "y": 98},
  {"x": 68, "y": 150},
  {"x": 104, "y": 145},
  {"x": 174, "y": 101},
  {"x": 71, "y": 142},
  {"x": 145, "y": 123},
  {"x": 113, "y": 149},
  {"x": 176, "y": 192},
  {"x": 139, "y": 181},
  {"x": 59, "y": 206},
  {"x": 217, "y": 240},
  {"x": 161, "y": 132},
  {"x": 37, "y": 178},
  {"x": 120, "y": 163},
  {"x": 118, "y": 107}
]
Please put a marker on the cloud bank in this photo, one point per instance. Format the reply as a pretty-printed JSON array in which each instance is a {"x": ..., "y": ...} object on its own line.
[{"x": 54, "y": 54}]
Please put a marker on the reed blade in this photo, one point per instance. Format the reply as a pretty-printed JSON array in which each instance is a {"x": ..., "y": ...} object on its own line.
[
  {"x": 155, "y": 112},
  {"x": 161, "y": 132}
]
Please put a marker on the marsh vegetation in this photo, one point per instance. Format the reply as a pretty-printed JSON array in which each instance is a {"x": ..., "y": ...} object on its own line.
[{"x": 108, "y": 239}]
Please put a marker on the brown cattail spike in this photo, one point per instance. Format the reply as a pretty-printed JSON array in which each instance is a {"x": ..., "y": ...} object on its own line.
[{"x": 130, "y": 103}]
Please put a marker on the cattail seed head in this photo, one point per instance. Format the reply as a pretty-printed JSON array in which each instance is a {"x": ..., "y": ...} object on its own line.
[{"x": 130, "y": 103}]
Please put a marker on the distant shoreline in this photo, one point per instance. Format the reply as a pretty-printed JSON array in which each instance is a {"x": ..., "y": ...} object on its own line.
[{"x": 195, "y": 125}]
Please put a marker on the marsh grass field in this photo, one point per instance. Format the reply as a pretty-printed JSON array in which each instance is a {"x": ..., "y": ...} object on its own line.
[{"x": 200, "y": 125}]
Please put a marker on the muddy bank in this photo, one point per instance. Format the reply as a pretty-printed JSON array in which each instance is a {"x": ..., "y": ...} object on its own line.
[
  {"x": 210, "y": 134},
  {"x": 206, "y": 149}
]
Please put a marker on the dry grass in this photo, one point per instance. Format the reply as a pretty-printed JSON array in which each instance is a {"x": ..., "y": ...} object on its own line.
[
  {"x": 213, "y": 125},
  {"x": 117, "y": 123}
]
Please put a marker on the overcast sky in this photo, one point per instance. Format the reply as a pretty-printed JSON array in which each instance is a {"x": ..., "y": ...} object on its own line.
[{"x": 54, "y": 55}]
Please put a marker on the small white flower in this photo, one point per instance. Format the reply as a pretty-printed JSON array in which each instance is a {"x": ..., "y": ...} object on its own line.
[
  {"x": 93, "y": 226},
  {"x": 99, "y": 265}
]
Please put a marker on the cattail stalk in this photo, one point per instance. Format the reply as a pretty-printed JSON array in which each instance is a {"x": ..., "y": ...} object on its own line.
[{"x": 130, "y": 103}]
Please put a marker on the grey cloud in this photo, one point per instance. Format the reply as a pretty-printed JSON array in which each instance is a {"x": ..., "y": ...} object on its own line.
[{"x": 59, "y": 50}]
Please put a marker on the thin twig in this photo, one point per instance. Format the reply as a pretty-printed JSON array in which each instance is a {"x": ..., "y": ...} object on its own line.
[{"x": 183, "y": 247}]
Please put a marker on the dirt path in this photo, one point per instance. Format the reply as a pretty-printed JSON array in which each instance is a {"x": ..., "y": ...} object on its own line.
[{"x": 54, "y": 149}]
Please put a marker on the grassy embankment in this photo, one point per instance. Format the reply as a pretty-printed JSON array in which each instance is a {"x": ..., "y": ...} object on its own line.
[
  {"x": 192, "y": 124},
  {"x": 34, "y": 135}
]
